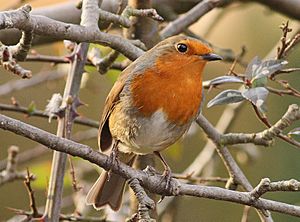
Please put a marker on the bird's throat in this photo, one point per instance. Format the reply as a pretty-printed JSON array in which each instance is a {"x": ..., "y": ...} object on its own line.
[{"x": 177, "y": 91}]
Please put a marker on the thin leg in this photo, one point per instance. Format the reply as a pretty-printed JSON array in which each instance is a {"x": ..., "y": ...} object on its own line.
[
  {"x": 167, "y": 172},
  {"x": 113, "y": 157}
]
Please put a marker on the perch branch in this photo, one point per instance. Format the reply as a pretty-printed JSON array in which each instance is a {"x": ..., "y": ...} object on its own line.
[{"x": 151, "y": 182}]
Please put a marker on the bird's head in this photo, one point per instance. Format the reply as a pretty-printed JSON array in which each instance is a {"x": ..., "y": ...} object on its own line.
[{"x": 185, "y": 49}]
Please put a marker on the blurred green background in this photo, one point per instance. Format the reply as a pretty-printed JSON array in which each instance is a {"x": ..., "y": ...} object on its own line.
[{"x": 251, "y": 25}]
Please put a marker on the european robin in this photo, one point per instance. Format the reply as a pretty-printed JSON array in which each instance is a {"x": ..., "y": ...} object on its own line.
[{"x": 151, "y": 105}]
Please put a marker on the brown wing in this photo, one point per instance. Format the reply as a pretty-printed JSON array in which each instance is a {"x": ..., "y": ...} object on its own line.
[{"x": 104, "y": 136}]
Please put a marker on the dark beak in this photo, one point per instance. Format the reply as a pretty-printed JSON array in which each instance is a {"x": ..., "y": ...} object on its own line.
[{"x": 211, "y": 57}]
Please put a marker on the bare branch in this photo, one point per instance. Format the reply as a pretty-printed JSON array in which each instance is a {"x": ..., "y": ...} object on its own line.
[
  {"x": 21, "y": 50},
  {"x": 199, "y": 180},
  {"x": 41, "y": 25},
  {"x": 264, "y": 138},
  {"x": 290, "y": 8},
  {"x": 151, "y": 182},
  {"x": 145, "y": 203},
  {"x": 15, "y": 85},
  {"x": 10, "y": 64},
  {"x": 152, "y": 13},
  {"x": 266, "y": 185},
  {"x": 235, "y": 173},
  {"x": 27, "y": 182},
  {"x": 189, "y": 18},
  {"x": 10, "y": 173},
  {"x": 102, "y": 64},
  {"x": 20, "y": 109}
]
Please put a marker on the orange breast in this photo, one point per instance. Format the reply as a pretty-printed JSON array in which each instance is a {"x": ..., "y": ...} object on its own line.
[{"x": 175, "y": 86}]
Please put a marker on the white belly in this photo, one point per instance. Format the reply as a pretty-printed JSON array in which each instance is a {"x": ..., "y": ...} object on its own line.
[{"x": 150, "y": 134}]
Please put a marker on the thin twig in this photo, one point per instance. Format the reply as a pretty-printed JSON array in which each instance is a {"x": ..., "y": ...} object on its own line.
[
  {"x": 39, "y": 113},
  {"x": 10, "y": 173},
  {"x": 27, "y": 182},
  {"x": 274, "y": 133},
  {"x": 245, "y": 214},
  {"x": 15, "y": 85}
]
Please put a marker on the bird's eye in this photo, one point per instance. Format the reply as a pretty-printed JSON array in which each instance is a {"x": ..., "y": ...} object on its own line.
[{"x": 182, "y": 47}]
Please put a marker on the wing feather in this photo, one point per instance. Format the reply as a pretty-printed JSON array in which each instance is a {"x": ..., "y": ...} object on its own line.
[{"x": 105, "y": 138}]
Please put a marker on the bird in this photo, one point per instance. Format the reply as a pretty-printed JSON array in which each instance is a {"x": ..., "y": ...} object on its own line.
[{"x": 151, "y": 106}]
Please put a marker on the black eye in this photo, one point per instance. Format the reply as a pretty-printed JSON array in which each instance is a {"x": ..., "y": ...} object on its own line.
[{"x": 182, "y": 47}]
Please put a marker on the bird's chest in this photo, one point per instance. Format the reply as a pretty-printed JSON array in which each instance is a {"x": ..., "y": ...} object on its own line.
[{"x": 178, "y": 96}]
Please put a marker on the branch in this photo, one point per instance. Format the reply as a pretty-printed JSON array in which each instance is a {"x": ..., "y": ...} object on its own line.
[
  {"x": 10, "y": 64},
  {"x": 265, "y": 137},
  {"x": 181, "y": 23},
  {"x": 145, "y": 203},
  {"x": 15, "y": 85},
  {"x": 290, "y": 8},
  {"x": 59, "y": 30},
  {"x": 39, "y": 113},
  {"x": 102, "y": 64},
  {"x": 237, "y": 177},
  {"x": 89, "y": 19},
  {"x": 10, "y": 173},
  {"x": 21, "y": 50},
  {"x": 151, "y": 182},
  {"x": 266, "y": 185},
  {"x": 63, "y": 60},
  {"x": 33, "y": 207},
  {"x": 39, "y": 150},
  {"x": 124, "y": 20}
]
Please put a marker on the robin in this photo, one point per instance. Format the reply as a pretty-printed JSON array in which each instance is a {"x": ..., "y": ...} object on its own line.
[{"x": 151, "y": 105}]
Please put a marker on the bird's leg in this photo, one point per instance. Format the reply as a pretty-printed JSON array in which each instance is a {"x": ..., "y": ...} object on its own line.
[
  {"x": 113, "y": 157},
  {"x": 167, "y": 174}
]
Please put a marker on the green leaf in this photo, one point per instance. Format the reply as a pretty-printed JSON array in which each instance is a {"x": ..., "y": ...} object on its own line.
[
  {"x": 31, "y": 108},
  {"x": 259, "y": 82},
  {"x": 226, "y": 97},
  {"x": 257, "y": 96}
]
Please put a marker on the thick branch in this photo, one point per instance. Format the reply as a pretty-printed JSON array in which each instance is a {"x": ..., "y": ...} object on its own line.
[
  {"x": 189, "y": 18},
  {"x": 59, "y": 30},
  {"x": 150, "y": 182}
]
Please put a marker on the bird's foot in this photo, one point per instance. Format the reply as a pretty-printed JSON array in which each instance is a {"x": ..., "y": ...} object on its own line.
[
  {"x": 167, "y": 178},
  {"x": 113, "y": 159}
]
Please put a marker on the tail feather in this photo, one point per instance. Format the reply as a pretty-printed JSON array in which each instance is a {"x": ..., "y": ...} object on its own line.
[
  {"x": 109, "y": 190},
  {"x": 106, "y": 191}
]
